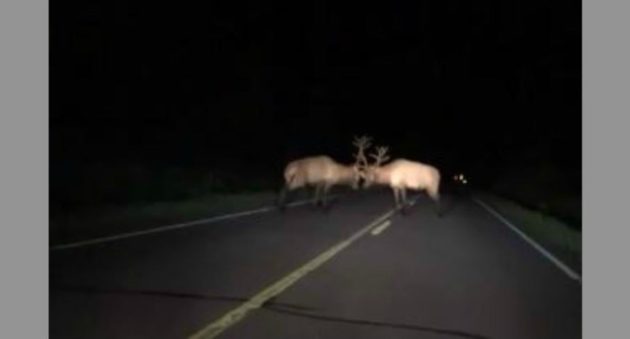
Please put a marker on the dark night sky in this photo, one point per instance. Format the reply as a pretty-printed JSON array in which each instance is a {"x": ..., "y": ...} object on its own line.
[{"x": 460, "y": 84}]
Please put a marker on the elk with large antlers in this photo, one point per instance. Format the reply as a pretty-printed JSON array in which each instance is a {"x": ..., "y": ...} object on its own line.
[
  {"x": 401, "y": 175},
  {"x": 323, "y": 173}
]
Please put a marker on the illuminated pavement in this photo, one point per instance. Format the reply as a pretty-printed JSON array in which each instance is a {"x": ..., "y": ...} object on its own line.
[{"x": 465, "y": 275}]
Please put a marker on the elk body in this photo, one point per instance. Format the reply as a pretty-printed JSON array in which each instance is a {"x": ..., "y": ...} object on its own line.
[
  {"x": 402, "y": 175},
  {"x": 322, "y": 172}
]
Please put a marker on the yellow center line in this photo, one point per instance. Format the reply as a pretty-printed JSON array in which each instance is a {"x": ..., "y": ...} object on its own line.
[
  {"x": 380, "y": 228},
  {"x": 232, "y": 317}
]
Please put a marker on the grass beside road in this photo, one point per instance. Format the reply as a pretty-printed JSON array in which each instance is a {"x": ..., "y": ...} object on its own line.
[{"x": 564, "y": 241}]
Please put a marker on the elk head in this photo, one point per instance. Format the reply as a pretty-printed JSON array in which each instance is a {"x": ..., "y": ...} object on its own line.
[
  {"x": 369, "y": 173},
  {"x": 361, "y": 163}
]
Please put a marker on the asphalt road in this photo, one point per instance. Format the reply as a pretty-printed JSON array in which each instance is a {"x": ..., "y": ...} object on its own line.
[{"x": 465, "y": 275}]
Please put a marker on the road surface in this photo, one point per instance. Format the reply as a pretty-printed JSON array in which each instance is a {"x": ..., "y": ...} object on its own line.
[{"x": 358, "y": 270}]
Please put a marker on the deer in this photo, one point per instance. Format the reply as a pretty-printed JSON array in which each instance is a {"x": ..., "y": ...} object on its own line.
[
  {"x": 323, "y": 172},
  {"x": 401, "y": 175}
]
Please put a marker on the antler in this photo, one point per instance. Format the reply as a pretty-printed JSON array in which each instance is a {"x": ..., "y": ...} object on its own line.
[
  {"x": 362, "y": 144},
  {"x": 381, "y": 155}
]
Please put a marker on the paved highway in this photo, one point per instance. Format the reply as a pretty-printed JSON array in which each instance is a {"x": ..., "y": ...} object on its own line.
[{"x": 358, "y": 270}]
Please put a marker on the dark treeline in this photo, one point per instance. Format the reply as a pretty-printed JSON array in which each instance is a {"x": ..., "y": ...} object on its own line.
[{"x": 484, "y": 87}]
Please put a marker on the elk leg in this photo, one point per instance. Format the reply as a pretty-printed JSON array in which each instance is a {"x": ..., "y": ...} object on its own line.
[
  {"x": 325, "y": 194},
  {"x": 282, "y": 197},
  {"x": 435, "y": 196},
  {"x": 396, "y": 198},
  {"x": 403, "y": 196},
  {"x": 438, "y": 207},
  {"x": 318, "y": 189}
]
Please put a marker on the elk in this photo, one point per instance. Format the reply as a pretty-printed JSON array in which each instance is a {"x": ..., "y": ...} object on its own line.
[
  {"x": 323, "y": 172},
  {"x": 400, "y": 175}
]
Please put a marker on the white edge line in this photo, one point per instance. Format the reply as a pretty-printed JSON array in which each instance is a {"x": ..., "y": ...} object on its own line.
[
  {"x": 566, "y": 269},
  {"x": 232, "y": 317},
  {"x": 174, "y": 226}
]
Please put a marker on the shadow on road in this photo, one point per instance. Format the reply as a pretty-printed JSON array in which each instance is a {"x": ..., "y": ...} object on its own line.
[
  {"x": 278, "y": 308},
  {"x": 271, "y": 305},
  {"x": 158, "y": 293}
]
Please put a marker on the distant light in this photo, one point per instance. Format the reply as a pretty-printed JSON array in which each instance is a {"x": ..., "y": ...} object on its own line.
[
  {"x": 465, "y": 181},
  {"x": 461, "y": 177}
]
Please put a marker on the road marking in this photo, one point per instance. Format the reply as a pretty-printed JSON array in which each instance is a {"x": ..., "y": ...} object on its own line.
[
  {"x": 380, "y": 228},
  {"x": 173, "y": 227},
  {"x": 566, "y": 269},
  {"x": 234, "y": 316}
]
